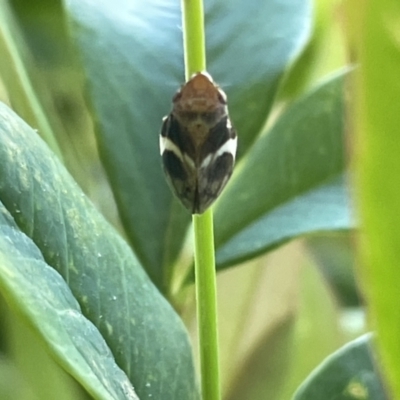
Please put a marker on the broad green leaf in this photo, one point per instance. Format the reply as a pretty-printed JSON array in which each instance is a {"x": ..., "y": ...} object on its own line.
[
  {"x": 292, "y": 181},
  {"x": 378, "y": 164},
  {"x": 145, "y": 335},
  {"x": 39, "y": 293},
  {"x": 348, "y": 374},
  {"x": 132, "y": 55},
  {"x": 249, "y": 47}
]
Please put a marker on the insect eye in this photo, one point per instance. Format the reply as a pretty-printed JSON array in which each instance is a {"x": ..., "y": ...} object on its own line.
[
  {"x": 221, "y": 97},
  {"x": 177, "y": 96}
]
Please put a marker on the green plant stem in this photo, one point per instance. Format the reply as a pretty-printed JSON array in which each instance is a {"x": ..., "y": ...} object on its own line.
[
  {"x": 206, "y": 292},
  {"x": 193, "y": 37},
  {"x": 29, "y": 101}
]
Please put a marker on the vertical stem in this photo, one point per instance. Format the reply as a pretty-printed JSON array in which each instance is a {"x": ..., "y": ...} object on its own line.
[
  {"x": 193, "y": 37},
  {"x": 195, "y": 61},
  {"x": 206, "y": 296}
]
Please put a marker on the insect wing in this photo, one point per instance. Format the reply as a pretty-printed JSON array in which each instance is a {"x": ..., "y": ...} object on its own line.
[
  {"x": 217, "y": 166},
  {"x": 178, "y": 167}
]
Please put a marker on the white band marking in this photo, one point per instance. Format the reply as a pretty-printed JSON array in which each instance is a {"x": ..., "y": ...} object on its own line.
[
  {"x": 167, "y": 144},
  {"x": 228, "y": 147}
]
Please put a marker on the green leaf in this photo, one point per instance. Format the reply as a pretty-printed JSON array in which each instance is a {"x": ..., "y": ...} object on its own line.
[
  {"x": 291, "y": 183},
  {"x": 38, "y": 292},
  {"x": 145, "y": 335},
  {"x": 347, "y": 374},
  {"x": 133, "y": 58},
  {"x": 378, "y": 165},
  {"x": 250, "y": 65}
]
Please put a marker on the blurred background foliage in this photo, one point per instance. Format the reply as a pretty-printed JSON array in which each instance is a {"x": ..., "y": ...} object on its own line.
[{"x": 299, "y": 303}]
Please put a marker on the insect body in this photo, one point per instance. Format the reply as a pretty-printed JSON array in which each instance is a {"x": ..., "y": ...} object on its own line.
[{"x": 198, "y": 143}]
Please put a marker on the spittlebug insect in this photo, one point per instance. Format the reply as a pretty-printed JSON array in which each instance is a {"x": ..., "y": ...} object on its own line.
[{"x": 198, "y": 143}]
